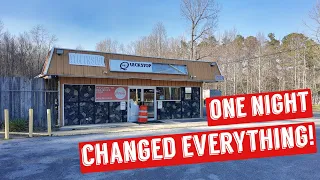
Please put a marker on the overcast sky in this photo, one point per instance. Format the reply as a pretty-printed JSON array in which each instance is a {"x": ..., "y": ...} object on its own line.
[{"x": 77, "y": 22}]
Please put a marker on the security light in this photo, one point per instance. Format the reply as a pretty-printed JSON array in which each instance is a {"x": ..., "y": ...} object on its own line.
[
  {"x": 59, "y": 51},
  {"x": 213, "y": 64}
]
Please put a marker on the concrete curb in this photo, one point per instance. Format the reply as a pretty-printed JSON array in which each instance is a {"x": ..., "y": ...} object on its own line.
[
  {"x": 145, "y": 127},
  {"x": 130, "y": 129},
  {"x": 26, "y": 134},
  {"x": 179, "y": 126}
]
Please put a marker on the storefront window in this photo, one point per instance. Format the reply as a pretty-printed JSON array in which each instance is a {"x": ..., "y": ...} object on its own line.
[
  {"x": 168, "y": 93},
  {"x": 175, "y": 93}
]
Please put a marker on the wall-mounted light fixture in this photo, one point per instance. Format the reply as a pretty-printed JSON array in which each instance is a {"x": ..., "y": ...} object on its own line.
[
  {"x": 50, "y": 77},
  {"x": 59, "y": 52},
  {"x": 213, "y": 64},
  {"x": 192, "y": 77}
]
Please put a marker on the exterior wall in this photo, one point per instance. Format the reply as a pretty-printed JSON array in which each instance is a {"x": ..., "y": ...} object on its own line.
[
  {"x": 99, "y": 112},
  {"x": 59, "y": 65},
  {"x": 129, "y": 82}
]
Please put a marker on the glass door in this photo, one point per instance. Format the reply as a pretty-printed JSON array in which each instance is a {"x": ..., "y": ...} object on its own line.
[
  {"x": 135, "y": 96},
  {"x": 148, "y": 99},
  {"x": 139, "y": 96},
  {"x": 134, "y": 103}
]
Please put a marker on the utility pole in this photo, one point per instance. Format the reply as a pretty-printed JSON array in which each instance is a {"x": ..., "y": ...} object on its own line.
[
  {"x": 304, "y": 68},
  {"x": 234, "y": 79},
  {"x": 295, "y": 69},
  {"x": 259, "y": 78},
  {"x": 247, "y": 81},
  {"x": 314, "y": 77},
  {"x": 226, "y": 80}
]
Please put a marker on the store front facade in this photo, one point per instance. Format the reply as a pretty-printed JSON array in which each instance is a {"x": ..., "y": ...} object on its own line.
[{"x": 99, "y": 88}]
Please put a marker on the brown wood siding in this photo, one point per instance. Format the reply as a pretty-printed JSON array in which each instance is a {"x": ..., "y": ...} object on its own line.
[
  {"x": 60, "y": 66},
  {"x": 126, "y": 82}
]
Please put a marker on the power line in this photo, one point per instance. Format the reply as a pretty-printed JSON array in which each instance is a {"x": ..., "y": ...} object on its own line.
[{"x": 266, "y": 55}]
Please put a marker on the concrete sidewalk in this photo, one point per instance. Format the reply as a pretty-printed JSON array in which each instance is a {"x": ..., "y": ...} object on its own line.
[
  {"x": 117, "y": 128},
  {"x": 172, "y": 124},
  {"x": 166, "y": 124},
  {"x": 128, "y": 127}
]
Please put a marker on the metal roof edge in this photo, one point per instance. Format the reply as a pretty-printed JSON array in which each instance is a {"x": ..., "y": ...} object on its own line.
[
  {"x": 49, "y": 61},
  {"x": 206, "y": 61},
  {"x": 116, "y": 77}
]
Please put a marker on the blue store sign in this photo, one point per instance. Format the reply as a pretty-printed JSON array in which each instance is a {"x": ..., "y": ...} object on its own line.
[{"x": 219, "y": 78}]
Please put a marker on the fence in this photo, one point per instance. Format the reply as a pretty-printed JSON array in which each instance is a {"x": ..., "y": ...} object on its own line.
[{"x": 19, "y": 94}]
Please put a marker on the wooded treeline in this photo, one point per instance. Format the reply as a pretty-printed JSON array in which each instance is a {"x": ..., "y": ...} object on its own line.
[
  {"x": 24, "y": 55},
  {"x": 250, "y": 64}
]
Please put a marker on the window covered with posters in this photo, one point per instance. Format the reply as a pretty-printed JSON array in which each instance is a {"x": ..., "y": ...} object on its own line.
[
  {"x": 80, "y": 107},
  {"x": 178, "y": 102}
]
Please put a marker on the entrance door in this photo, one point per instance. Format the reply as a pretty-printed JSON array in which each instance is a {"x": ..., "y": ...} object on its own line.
[
  {"x": 138, "y": 96},
  {"x": 149, "y": 101}
]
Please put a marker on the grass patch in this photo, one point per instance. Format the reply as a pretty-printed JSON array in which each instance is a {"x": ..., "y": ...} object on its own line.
[
  {"x": 17, "y": 125},
  {"x": 316, "y": 107},
  {"x": 22, "y": 125}
]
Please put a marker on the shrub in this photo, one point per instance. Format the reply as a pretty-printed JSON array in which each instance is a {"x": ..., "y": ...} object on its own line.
[{"x": 18, "y": 125}]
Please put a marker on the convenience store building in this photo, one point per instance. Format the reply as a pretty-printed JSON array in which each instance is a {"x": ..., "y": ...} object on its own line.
[{"x": 98, "y": 87}]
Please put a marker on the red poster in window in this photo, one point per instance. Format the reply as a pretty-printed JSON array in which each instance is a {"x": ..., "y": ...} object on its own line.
[{"x": 111, "y": 93}]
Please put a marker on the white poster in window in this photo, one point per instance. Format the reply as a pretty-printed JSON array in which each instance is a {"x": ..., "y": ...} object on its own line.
[
  {"x": 188, "y": 90},
  {"x": 159, "y": 104},
  {"x": 123, "y": 105}
]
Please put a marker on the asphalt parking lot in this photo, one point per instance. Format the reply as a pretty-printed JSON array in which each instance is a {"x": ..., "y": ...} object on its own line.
[{"x": 58, "y": 158}]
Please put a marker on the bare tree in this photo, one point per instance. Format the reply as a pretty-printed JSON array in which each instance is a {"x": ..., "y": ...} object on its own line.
[
  {"x": 154, "y": 44},
  {"x": 261, "y": 39},
  {"x": 203, "y": 18},
  {"x": 177, "y": 48},
  {"x": 108, "y": 45},
  {"x": 130, "y": 48},
  {"x": 79, "y": 47},
  {"x": 43, "y": 42},
  {"x": 315, "y": 17},
  {"x": 24, "y": 55},
  {"x": 1, "y": 27},
  {"x": 159, "y": 35}
]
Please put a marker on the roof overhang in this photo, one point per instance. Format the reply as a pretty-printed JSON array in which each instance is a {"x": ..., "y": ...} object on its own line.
[
  {"x": 47, "y": 64},
  {"x": 117, "y": 77},
  {"x": 44, "y": 74}
]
